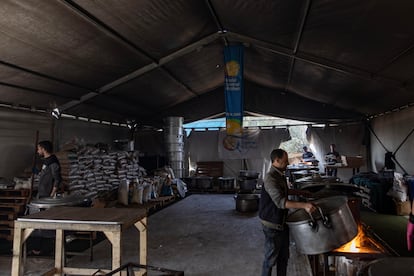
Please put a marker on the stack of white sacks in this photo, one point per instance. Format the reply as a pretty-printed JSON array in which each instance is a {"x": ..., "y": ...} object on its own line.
[{"x": 89, "y": 171}]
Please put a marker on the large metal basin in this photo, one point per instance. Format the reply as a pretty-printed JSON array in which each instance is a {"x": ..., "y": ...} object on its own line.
[{"x": 323, "y": 231}]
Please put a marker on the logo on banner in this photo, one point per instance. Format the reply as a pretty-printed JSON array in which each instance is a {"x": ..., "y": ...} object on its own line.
[
  {"x": 238, "y": 146},
  {"x": 233, "y": 69},
  {"x": 231, "y": 142}
]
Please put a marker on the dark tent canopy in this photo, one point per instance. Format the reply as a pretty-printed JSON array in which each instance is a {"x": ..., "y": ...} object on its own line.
[{"x": 320, "y": 60}]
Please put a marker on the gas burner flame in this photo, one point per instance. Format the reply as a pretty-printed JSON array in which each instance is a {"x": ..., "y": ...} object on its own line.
[{"x": 361, "y": 244}]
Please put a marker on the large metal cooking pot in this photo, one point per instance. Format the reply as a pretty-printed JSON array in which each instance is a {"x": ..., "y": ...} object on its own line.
[
  {"x": 247, "y": 202},
  {"x": 41, "y": 204},
  {"x": 247, "y": 184},
  {"x": 37, "y": 205},
  {"x": 324, "y": 230}
]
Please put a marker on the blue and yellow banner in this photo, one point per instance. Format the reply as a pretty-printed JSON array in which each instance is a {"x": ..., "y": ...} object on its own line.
[{"x": 233, "y": 89}]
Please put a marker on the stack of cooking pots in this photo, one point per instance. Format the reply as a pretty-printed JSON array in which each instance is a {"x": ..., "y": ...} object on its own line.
[
  {"x": 246, "y": 200},
  {"x": 247, "y": 180}
]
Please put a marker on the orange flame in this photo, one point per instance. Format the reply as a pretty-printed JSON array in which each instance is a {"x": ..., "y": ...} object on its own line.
[{"x": 360, "y": 244}]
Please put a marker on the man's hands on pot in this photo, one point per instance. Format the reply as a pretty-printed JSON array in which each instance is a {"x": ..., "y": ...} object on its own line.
[{"x": 309, "y": 207}]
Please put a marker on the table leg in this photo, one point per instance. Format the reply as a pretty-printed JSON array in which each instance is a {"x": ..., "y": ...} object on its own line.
[
  {"x": 59, "y": 256},
  {"x": 115, "y": 239},
  {"x": 116, "y": 250},
  {"x": 17, "y": 268},
  {"x": 142, "y": 227}
]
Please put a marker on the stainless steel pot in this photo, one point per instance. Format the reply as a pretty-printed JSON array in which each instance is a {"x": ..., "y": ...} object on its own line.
[
  {"x": 330, "y": 227},
  {"x": 247, "y": 184},
  {"x": 247, "y": 202}
]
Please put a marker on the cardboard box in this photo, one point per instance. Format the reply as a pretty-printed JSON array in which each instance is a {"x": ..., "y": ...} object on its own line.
[
  {"x": 352, "y": 161},
  {"x": 402, "y": 208}
]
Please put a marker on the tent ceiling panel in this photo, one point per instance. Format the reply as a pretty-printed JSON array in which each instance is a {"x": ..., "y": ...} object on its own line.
[
  {"x": 114, "y": 103},
  {"x": 22, "y": 97},
  {"x": 366, "y": 34},
  {"x": 115, "y": 59},
  {"x": 207, "y": 105},
  {"x": 156, "y": 89},
  {"x": 262, "y": 100},
  {"x": 14, "y": 77},
  {"x": 157, "y": 27},
  {"x": 51, "y": 38},
  {"x": 349, "y": 92},
  {"x": 398, "y": 68},
  {"x": 200, "y": 70},
  {"x": 272, "y": 71},
  {"x": 275, "y": 22}
]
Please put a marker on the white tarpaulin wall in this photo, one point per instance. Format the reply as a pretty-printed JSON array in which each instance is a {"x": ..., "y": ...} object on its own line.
[
  {"x": 392, "y": 129},
  {"x": 204, "y": 146},
  {"x": 349, "y": 141}
]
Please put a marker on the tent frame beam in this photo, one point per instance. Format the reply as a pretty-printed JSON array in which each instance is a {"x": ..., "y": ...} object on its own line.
[
  {"x": 217, "y": 21},
  {"x": 297, "y": 43}
]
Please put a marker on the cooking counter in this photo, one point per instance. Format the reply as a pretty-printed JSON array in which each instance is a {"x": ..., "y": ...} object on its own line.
[{"x": 111, "y": 221}]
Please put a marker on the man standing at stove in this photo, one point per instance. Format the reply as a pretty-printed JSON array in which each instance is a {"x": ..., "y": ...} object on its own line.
[
  {"x": 273, "y": 210},
  {"x": 49, "y": 177}
]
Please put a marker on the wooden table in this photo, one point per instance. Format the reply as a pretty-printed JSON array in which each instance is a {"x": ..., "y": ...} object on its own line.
[
  {"x": 355, "y": 168},
  {"x": 110, "y": 221}
]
